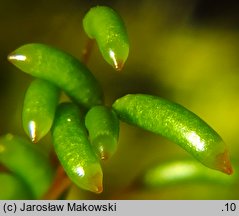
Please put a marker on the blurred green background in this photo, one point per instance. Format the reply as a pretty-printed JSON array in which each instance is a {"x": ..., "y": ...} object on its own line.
[{"x": 186, "y": 51}]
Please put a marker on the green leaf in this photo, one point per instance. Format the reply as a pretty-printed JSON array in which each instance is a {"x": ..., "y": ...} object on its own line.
[
  {"x": 106, "y": 26},
  {"x": 39, "y": 108},
  {"x": 60, "y": 68},
  {"x": 103, "y": 126},
  {"x": 178, "y": 124},
  {"x": 74, "y": 149}
]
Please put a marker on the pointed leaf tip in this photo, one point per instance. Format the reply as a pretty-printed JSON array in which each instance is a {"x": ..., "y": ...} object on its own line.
[
  {"x": 223, "y": 163},
  {"x": 99, "y": 189},
  {"x": 34, "y": 140},
  {"x": 97, "y": 186},
  {"x": 103, "y": 156},
  {"x": 119, "y": 66},
  {"x": 116, "y": 63},
  {"x": 16, "y": 57}
]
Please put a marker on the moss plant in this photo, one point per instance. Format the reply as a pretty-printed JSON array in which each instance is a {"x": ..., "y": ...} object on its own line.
[{"x": 85, "y": 130}]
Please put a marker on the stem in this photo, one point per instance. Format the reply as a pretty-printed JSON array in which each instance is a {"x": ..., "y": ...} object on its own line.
[
  {"x": 60, "y": 184},
  {"x": 86, "y": 53},
  {"x": 4, "y": 169}
]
